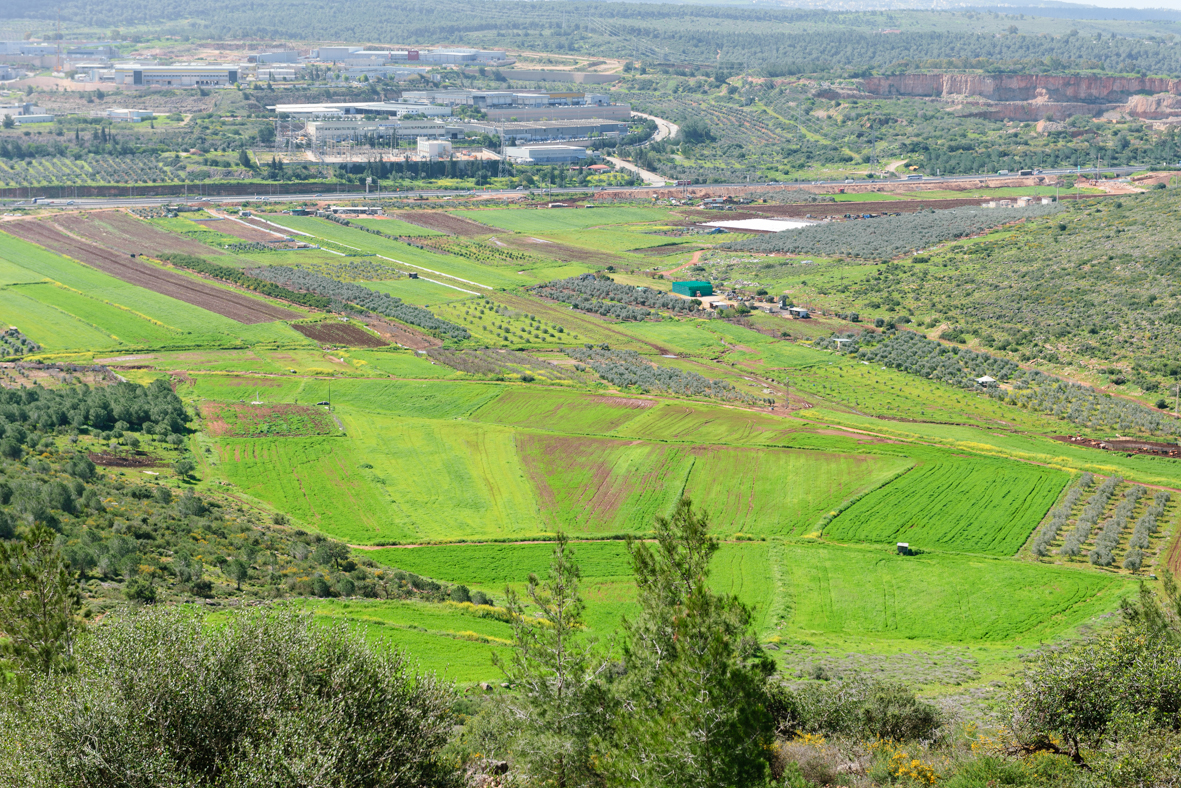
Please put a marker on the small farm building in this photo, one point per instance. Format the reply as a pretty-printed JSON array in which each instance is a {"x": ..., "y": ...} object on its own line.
[
  {"x": 986, "y": 380},
  {"x": 693, "y": 289},
  {"x": 798, "y": 312}
]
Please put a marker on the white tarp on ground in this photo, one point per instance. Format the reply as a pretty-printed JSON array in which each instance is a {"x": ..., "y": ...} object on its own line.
[{"x": 766, "y": 225}]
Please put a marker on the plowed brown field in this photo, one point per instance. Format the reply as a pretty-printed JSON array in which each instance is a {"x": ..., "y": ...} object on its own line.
[
  {"x": 125, "y": 233},
  {"x": 444, "y": 223},
  {"x": 122, "y": 266},
  {"x": 338, "y": 334}
]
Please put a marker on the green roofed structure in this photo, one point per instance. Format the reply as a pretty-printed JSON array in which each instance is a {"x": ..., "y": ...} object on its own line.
[{"x": 693, "y": 289}]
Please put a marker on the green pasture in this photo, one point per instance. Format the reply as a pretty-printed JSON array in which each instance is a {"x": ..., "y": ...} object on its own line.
[
  {"x": 398, "y": 252},
  {"x": 441, "y": 639},
  {"x": 574, "y": 413},
  {"x": 686, "y": 337},
  {"x": 392, "y": 226},
  {"x": 977, "y": 505},
  {"x": 546, "y": 220},
  {"x": 421, "y": 291},
  {"x": 195, "y": 325},
  {"x": 872, "y": 593},
  {"x": 49, "y": 326},
  {"x": 123, "y": 324}
]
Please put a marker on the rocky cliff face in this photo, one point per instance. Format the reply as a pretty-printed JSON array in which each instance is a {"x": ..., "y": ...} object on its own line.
[{"x": 1021, "y": 87}]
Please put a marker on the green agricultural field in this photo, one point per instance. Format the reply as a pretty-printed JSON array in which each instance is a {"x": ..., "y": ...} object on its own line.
[
  {"x": 422, "y": 292},
  {"x": 126, "y": 326},
  {"x": 49, "y": 326},
  {"x": 391, "y": 226},
  {"x": 544, "y": 220},
  {"x": 196, "y": 326},
  {"x": 573, "y": 413},
  {"x": 686, "y": 337},
  {"x": 971, "y": 505},
  {"x": 870, "y": 592}
]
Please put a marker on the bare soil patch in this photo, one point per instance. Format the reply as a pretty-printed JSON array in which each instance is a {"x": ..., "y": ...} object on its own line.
[
  {"x": 561, "y": 252},
  {"x": 137, "y": 460},
  {"x": 253, "y": 421},
  {"x": 338, "y": 334},
  {"x": 130, "y": 269},
  {"x": 124, "y": 233},
  {"x": 406, "y": 337},
  {"x": 624, "y": 402},
  {"x": 445, "y": 223},
  {"x": 239, "y": 230},
  {"x": 1126, "y": 445}
]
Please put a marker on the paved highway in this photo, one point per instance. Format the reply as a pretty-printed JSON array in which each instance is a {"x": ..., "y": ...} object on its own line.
[{"x": 111, "y": 202}]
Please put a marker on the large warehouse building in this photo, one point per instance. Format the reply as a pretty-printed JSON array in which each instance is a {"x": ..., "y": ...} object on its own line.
[
  {"x": 546, "y": 154},
  {"x": 181, "y": 75}
]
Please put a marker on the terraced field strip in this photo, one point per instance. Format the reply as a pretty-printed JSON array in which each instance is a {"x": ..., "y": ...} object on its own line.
[
  {"x": 121, "y": 232},
  {"x": 49, "y": 326},
  {"x": 543, "y": 220},
  {"x": 977, "y": 505},
  {"x": 872, "y": 592},
  {"x": 235, "y": 306},
  {"x": 740, "y": 568}
]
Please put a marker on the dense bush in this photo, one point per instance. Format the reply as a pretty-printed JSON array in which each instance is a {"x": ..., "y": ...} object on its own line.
[
  {"x": 888, "y": 236},
  {"x": 14, "y": 343},
  {"x": 857, "y": 707},
  {"x": 265, "y": 698},
  {"x": 348, "y": 293}
]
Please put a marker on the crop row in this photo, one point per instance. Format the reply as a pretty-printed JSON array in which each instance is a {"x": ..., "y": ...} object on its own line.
[
  {"x": 1145, "y": 527},
  {"x": 349, "y": 293},
  {"x": 1108, "y": 539},
  {"x": 589, "y": 293},
  {"x": 238, "y": 277},
  {"x": 1060, "y": 516},
  {"x": 1031, "y": 389},
  {"x": 626, "y": 368},
  {"x": 888, "y": 236},
  {"x": 498, "y": 363},
  {"x": 1090, "y": 517},
  {"x": 59, "y": 170}
]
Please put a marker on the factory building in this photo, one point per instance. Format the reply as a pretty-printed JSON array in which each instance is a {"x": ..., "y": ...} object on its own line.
[
  {"x": 545, "y": 154},
  {"x": 339, "y": 110},
  {"x": 283, "y": 56},
  {"x": 25, "y": 113},
  {"x": 322, "y": 131},
  {"x": 487, "y": 99},
  {"x": 550, "y": 130},
  {"x": 181, "y": 75},
  {"x": 130, "y": 115},
  {"x": 386, "y": 71},
  {"x": 622, "y": 112},
  {"x": 359, "y": 56}
]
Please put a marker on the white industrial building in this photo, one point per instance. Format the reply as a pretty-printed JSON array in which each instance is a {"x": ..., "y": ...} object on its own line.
[
  {"x": 322, "y": 131},
  {"x": 359, "y": 56},
  {"x": 485, "y": 99},
  {"x": 282, "y": 56},
  {"x": 341, "y": 109},
  {"x": 181, "y": 75},
  {"x": 549, "y": 129},
  {"x": 386, "y": 71},
  {"x": 545, "y": 154},
  {"x": 279, "y": 74},
  {"x": 130, "y": 115},
  {"x": 434, "y": 150},
  {"x": 25, "y": 113}
]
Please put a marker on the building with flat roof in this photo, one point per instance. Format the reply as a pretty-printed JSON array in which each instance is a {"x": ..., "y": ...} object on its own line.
[
  {"x": 180, "y": 75},
  {"x": 577, "y": 112},
  {"x": 341, "y": 109},
  {"x": 281, "y": 56},
  {"x": 545, "y": 154},
  {"x": 693, "y": 289},
  {"x": 549, "y": 129},
  {"x": 434, "y": 149},
  {"x": 130, "y": 115},
  {"x": 321, "y": 131}
]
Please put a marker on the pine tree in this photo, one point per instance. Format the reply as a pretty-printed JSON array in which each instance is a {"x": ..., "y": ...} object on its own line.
[
  {"x": 559, "y": 703},
  {"x": 695, "y": 681},
  {"x": 38, "y": 598}
]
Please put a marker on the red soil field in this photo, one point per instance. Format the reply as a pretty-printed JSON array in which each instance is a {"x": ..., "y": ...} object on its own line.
[
  {"x": 129, "y": 269},
  {"x": 403, "y": 336},
  {"x": 338, "y": 334},
  {"x": 239, "y": 230},
  {"x": 275, "y": 421},
  {"x": 444, "y": 223}
]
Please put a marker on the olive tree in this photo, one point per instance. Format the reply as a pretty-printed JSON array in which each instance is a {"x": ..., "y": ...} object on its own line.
[{"x": 267, "y": 698}]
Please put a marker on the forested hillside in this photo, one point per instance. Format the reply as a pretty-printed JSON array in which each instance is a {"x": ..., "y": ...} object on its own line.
[{"x": 781, "y": 41}]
